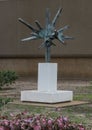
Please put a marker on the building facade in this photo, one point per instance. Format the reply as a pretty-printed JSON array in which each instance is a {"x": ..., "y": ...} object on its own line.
[{"x": 74, "y": 59}]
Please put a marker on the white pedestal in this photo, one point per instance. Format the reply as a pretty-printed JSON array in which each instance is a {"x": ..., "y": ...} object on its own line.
[
  {"x": 47, "y": 87},
  {"x": 47, "y": 77}
]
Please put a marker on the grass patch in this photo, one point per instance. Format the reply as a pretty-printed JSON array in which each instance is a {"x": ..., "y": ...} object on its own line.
[
  {"x": 83, "y": 97},
  {"x": 83, "y": 93}
]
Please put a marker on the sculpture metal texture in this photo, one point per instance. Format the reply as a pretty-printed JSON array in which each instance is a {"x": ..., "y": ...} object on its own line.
[{"x": 48, "y": 33}]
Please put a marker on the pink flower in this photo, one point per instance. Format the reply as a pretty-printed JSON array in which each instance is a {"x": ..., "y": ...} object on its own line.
[
  {"x": 1, "y": 128},
  {"x": 6, "y": 122},
  {"x": 50, "y": 122},
  {"x": 43, "y": 122},
  {"x": 80, "y": 126},
  {"x": 65, "y": 119},
  {"x": 81, "y": 129},
  {"x": 25, "y": 112},
  {"x": 11, "y": 114},
  {"x": 37, "y": 127},
  {"x": 38, "y": 122}
]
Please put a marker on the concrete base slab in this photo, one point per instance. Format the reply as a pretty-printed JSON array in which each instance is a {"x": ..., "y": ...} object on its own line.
[
  {"x": 46, "y": 97},
  {"x": 52, "y": 105}
]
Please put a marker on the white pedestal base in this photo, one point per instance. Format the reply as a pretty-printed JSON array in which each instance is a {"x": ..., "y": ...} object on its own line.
[
  {"x": 46, "y": 97},
  {"x": 47, "y": 87}
]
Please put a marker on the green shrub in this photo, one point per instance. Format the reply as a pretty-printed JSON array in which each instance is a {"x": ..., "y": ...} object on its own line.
[
  {"x": 4, "y": 101},
  {"x": 7, "y": 77}
]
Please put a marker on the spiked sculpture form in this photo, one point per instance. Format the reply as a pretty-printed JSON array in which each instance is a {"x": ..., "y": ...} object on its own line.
[{"x": 48, "y": 33}]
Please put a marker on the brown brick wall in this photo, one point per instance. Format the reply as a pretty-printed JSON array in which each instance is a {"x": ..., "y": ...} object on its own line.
[
  {"x": 76, "y": 13},
  {"x": 67, "y": 67}
]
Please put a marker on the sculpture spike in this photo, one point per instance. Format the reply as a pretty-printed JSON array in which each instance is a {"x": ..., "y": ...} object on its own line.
[
  {"x": 68, "y": 37},
  {"x": 27, "y": 24},
  {"x": 47, "y": 17},
  {"x": 38, "y": 24},
  {"x": 29, "y": 38},
  {"x": 42, "y": 45},
  {"x": 64, "y": 28},
  {"x": 56, "y": 17}
]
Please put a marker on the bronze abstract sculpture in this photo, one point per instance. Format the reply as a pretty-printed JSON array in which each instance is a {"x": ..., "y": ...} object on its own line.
[{"x": 48, "y": 33}]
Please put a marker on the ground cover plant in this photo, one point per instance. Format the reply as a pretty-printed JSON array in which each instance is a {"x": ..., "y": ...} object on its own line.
[
  {"x": 4, "y": 101},
  {"x": 26, "y": 121},
  {"x": 81, "y": 114}
]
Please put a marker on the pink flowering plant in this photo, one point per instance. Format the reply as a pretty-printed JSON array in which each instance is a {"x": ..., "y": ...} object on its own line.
[{"x": 27, "y": 121}]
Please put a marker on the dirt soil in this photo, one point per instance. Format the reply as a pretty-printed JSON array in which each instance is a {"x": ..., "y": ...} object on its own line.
[{"x": 29, "y": 83}]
